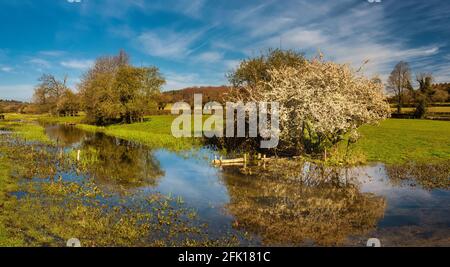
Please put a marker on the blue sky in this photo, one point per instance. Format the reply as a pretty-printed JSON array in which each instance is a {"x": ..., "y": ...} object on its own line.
[{"x": 195, "y": 42}]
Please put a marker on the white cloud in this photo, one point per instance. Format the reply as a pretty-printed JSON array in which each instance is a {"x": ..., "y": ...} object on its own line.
[
  {"x": 191, "y": 8},
  {"x": 270, "y": 26},
  {"x": 231, "y": 64},
  {"x": 123, "y": 31},
  {"x": 42, "y": 63},
  {"x": 361, "y": 33},
  {"x": 297, "y": 37},
  {"x": 210, "y": 57},
  {"x": 166, "y": 43},
  {"x": 6, "y": 69},
  {"x": 52, "y": 53},
  {"x": 78, "y": 64}
]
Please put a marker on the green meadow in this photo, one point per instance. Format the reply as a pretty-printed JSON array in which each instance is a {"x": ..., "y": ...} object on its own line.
[{"x": 398, "y": 141}]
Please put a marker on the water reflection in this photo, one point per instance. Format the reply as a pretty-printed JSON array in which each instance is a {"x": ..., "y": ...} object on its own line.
[
  {"x": 416, "y": 215},
  {"x": 114, "y": 161},
  {"x": 428, "y": 176},
  {"x": 306, "y": 205},
  {"x": 289, "y": 203},
  {"x": 65, "y": 136}
]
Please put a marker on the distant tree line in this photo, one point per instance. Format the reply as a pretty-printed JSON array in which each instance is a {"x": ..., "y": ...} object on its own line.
[
  {"x": 400, "y": 85},
  {"x": 10, "y": 106}
]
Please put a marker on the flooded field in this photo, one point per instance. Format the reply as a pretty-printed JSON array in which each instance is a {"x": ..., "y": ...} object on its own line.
[{"x": 127, "y": 194}]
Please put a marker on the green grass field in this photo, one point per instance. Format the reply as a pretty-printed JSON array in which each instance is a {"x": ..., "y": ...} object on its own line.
[{"x": 398, "y": 141}]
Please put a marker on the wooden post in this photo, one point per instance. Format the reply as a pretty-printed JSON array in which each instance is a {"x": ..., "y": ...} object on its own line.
[{"x": 78, "y": 155}]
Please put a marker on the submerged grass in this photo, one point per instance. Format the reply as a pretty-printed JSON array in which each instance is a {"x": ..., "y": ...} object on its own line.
[
  {"x": 48, "y": 212},
  {"x": 7, "y": 184},
  {"x": 24, "y": 128}
]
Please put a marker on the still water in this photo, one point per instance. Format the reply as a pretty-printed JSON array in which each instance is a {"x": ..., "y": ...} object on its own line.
[{"x": 289, "y": 204}]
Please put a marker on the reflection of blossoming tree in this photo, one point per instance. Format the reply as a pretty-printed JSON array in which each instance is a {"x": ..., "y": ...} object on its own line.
[{"x": 296, "y": 207}]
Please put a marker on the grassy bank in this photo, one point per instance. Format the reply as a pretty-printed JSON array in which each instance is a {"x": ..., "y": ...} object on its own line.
[
  {"x": 393, "y": 141},
  {"x": 155, "y": 133},
  {"x": 399, "y": 141}
]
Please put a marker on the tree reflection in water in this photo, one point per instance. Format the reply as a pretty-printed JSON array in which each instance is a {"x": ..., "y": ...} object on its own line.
[
  {"x": 65, "y": 136},
  {"x": 114, "y": 161},
  {"x": 301, "y": 204}
]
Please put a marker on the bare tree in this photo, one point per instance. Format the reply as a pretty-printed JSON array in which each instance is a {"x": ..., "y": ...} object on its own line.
[
  {"x": 48, "y": 92},
  {"x": 399, "y": 81}
]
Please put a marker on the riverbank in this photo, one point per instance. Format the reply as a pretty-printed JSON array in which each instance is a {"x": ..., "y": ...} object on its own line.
[
  {"x": 155, "y": 132},
  {"x": 25, "y": 129},
  {"x": 394, "y": 141}
]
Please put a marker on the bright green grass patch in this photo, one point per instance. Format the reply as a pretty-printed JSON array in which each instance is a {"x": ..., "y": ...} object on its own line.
[
  {"x": 44, "y": 118},
  {"x": 55, "y": 119},
  {"x": 25, "y": 129},
  {"x": 399, "y": 141},
  {"x": 155, "y": 133}
]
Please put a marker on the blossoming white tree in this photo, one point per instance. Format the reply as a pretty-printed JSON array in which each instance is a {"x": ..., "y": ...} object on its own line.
[{"x": 320, "y": 103}]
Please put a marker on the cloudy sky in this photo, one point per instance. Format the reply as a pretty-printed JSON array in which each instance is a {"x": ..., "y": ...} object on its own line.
[{"x": 195, "y": 42}]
